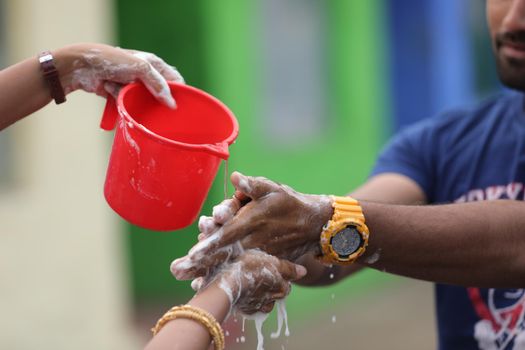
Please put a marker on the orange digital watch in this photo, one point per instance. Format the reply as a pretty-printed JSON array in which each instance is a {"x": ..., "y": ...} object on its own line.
[{"x": 345, "y": 236}]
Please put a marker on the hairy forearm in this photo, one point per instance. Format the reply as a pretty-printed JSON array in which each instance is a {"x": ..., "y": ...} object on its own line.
[{"x": 471, "y": 244}]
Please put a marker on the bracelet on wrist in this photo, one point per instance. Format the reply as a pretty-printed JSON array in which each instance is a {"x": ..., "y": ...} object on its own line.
[
  {"x": 194, "y": 313},
  {"x": 51, "y": 77}
]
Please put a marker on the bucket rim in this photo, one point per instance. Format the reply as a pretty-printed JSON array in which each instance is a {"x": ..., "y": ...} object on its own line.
[{"x": 217, "y": 148}]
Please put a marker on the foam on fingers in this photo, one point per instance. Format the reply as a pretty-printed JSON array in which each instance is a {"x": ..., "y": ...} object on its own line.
[{"x": 226, "y": 210}]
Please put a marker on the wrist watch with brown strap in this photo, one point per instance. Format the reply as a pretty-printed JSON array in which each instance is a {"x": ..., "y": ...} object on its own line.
[
  {"x": 345, "y": 237},
  {"x": 51, "y": 77}
]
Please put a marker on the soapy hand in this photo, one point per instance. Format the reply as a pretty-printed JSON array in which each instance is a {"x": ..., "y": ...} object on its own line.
[
  {"x": 103, "y": 69},
  {"x": 254, "y": 281},
  {"x": 277, "y": 220},
  {"x": 210, "y": 227}
]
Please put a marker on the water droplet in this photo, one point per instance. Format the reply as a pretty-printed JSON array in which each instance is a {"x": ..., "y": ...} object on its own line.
[
  {"x": 243, "y": 339},
  {"x": 333, "y": 296},
  {"x": 333, "y": 319},
  {"x": 331, "y": 276},
  {"x": 227, "y": 333},
  {"x": 236, "y": 340}
]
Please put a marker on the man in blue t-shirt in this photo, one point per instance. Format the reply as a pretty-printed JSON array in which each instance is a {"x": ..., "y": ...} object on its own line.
[{"x": 471, "y": 162}]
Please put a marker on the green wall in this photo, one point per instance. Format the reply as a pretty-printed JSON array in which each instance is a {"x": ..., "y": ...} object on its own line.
[
  {"x": 215, "y": 46},
  {"x": 340, "y": 158}
]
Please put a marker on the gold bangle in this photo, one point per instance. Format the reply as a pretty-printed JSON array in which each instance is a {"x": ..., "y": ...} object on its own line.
[{"x": 196, "y": 314}]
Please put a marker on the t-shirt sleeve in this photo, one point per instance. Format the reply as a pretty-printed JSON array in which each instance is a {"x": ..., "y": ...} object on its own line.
[{"x": 409, "y": 153}]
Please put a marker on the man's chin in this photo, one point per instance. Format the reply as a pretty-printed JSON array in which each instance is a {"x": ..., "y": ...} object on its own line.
[{"x": 512, "y": 73}]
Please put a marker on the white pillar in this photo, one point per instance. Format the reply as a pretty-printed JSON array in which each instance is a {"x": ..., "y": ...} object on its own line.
[{"x": 62, "y": 274}]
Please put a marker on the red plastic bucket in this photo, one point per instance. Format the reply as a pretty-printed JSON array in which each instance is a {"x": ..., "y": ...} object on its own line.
[{"x": 163, "y": 161}]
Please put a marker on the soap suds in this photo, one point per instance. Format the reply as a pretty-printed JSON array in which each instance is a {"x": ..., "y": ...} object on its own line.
[
  {"x": 372, "y": 259},
  {"x": 259, "y": 319},
  {"x": 128, "y": 137},
  {"x": 281, "y": 316}
]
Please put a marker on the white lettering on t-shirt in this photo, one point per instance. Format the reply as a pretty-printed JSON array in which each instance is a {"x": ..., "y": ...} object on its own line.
[
  {"x": 494, "y": 192},
  {"x": 513, "y": 190},
  {"x": 475, "y": 195}
]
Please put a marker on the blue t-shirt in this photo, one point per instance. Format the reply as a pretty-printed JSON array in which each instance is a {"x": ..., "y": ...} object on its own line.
[{"x": 462, "y": 156}]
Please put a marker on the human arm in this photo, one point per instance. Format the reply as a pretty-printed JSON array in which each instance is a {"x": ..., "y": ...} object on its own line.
[
  {"x": 94, "y": 68},
  {"x": 471, "y": 244},
  {"x": 250, "y": 283},
  {"x": 187, "y": 334},
  {"x": 385, "y": 188},
  {"x": 477, "y": 244}
]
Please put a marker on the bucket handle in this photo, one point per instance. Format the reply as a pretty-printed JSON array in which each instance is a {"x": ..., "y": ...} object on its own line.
[{"x": 110, "y": 115}]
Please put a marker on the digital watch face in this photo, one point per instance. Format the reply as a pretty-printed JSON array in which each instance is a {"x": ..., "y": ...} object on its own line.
[{"x": 346, "y": 242}]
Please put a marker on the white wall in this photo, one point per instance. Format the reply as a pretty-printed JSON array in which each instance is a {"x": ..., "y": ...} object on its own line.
[{"x": 62, "y": 277}]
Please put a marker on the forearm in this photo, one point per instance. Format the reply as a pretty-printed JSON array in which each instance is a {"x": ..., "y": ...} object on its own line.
[
  {"x": 188, "y": 334},
  {"x": 471, "y": 244},
  {"x": 385, "y": 188},
  {"x": 95, "y": 68},
  {"x": 24, "y": 89}
]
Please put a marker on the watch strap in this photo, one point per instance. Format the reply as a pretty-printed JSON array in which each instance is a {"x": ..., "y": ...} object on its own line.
[
  {"x": 50, "y": 73},
  {"x": 346, "y": 207}
]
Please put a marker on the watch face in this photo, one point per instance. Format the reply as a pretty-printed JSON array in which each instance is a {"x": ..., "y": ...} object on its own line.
[{"x": 346, "y": 242}]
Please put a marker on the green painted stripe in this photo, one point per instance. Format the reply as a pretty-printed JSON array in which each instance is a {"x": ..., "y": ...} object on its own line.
[{"x": 336, "y": 161}]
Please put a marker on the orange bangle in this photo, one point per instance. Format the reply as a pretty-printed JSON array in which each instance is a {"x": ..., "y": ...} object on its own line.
[{"x": 196, "y": 314}]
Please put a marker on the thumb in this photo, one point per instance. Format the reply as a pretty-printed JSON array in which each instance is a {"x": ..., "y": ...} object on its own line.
[
  {"x": 252, "y": 187},
  {"x": 112, "y": 88},
  {"x": 290, "y": 271}
]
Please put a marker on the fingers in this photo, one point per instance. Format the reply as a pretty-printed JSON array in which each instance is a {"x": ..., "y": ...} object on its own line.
[
  {"x": 250, "y": 309},
  {"x": 112, "y": 88},
  {"x": 241, "y": 197},
  {"x": 267, "y": 308},
  {"x": 231, "y": 233},
  {"x": 252, "y": 187},
  {"x": 207, "y": 226},
  {"x": 222, "y": 213},
  {"x": 170, "y": 73},
  {"x": 226, "y": 210},
  {"x": 197, "y": 283},
  {"x": 156, "y": 84},
  {"x": 290, "y": 271},
  {"x": 199, "y": 263},
  {"x": 186, "y": 268},
  {"x": 110, "y": 64}
]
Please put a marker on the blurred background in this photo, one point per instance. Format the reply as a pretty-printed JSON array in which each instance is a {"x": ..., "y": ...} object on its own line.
[{"x": 317, "y": 87}]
